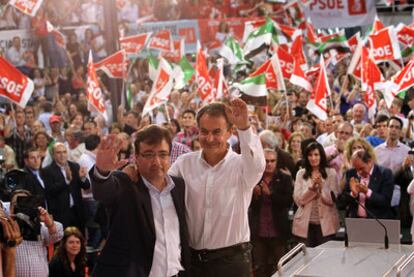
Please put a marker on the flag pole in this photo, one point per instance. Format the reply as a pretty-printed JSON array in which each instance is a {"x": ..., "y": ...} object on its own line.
[{"x": 166, "y": 113}]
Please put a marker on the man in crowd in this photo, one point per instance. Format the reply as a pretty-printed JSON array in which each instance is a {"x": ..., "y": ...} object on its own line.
[
  {"x": 19, "y": 138},
  {"x": 269, "y": 216},
  {"x": 369, "y": 184},
  {"x": 34, "y": 182},
  {"x": 381, "y": 122},
  {"x": 358, "y": 114},
  {"x": 392, "y": 152},
  {"x": 64, "y": 180},
  {"x": 217, "y": 200},
  {"x": 190, "y": 130},
  {"x": 148, "y": 232}
]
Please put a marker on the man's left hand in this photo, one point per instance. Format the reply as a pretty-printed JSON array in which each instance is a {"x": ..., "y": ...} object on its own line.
[{"x": 237, "y": 114}]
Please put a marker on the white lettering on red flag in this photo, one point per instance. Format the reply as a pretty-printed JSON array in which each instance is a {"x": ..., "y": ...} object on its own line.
[
  {"x": 115, "y": 66},
  {"x": 134, "y": 44},
  {"x": 94, "y": 92},
  {"x": 29, "y": 7},
  {"x": 14, "y": 85}
]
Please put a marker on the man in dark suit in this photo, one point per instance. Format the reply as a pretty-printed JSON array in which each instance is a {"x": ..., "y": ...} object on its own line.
[
  {"x": 33, "y": 181},
  {"x": 369, "y": 184},
  {"x": 64, "y": 180},
  {"x": 148, "y": 231},
  {"x": 269, "y": 216}
]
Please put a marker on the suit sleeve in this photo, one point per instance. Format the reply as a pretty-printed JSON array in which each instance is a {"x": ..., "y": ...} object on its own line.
[
  {"x": 381, "y": 197},
  {"x": 107, "y": 190}
]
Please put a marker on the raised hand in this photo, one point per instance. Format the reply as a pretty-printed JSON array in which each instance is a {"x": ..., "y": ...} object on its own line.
[
  {"x": 238, "y": 114},
  {"x": 107, "y": 154},
  {"x": 83, "y": 171},
  {"x": 354, "y": 185}
]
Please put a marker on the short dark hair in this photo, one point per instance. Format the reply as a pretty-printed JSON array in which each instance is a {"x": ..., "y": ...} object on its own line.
[
  {"x": 152, "y": 135},
  {"x": 28, "y": 151},
  {"x": 381, "y": 118},
  {"x": 189, "y": 111},
  {"x": 215, "y": 110},
  {"x": 91, "y": 142},
  {"x": 397, "y": 119}
]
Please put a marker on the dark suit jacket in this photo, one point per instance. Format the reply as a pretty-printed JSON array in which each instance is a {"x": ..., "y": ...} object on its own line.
[
  {"x": 130, "y": 245},
  {"x": 382, "y": 185},
  {"x": 281, "y": 186},
  {"x": 32, "y": 184},
  {"x": 57, "y": 192}
]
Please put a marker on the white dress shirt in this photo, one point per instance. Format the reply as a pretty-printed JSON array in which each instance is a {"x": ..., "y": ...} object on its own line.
[
  {"x": 67, "y": 181},
  {"x": 217, "y": 197},
  {"x": 167, "y": 250}
]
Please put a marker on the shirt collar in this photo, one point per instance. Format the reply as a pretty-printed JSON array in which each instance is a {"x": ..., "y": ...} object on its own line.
[{"x": 170, "y": 185}]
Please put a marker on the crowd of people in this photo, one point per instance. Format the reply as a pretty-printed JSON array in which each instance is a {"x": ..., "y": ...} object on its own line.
[{"x": 214, "y": 185}]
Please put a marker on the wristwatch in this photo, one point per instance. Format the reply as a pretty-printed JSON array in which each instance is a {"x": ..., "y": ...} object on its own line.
[{"x": 10, "y": 243}]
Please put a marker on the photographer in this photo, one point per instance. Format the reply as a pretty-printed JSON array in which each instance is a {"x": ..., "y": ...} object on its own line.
[{"x": 38, "y": 233}]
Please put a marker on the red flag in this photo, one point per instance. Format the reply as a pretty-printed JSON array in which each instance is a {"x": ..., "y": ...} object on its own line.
[
  {"x": 29, "y": 7},
  {"x": 115, "y": 66},
  {"x": 176, "y": 53},
  {"x": 311, "y": 36},
  {"x": 297, "y": 52},
  {"x": 405, "y": 79},
  {"x": 377, "y": 26},
  {"x": 353, "y": 41},
  {"x": 299, "y": 78},
  {"x": 161, "y": 88},
  {"x": 267, "y": 69},
  {"x": 370, "y": 73},
  {"x": 318, "y": 102},
  {"x": 217, "y": 77},
  {"x": 14, "y": 85},
  {"x": 406, "y": 36},
  {"x": 290, "y": 32},
  {"x": 286, "y": 62},
  {"x": 370, "y": 76},
  {"x": 94, "y": 92},
  {"x": 384, "y": 45},
  {"x": 161, "y": 41},
  {"x": 134, "y": 44},
  {"x": 205, "y": 86}
]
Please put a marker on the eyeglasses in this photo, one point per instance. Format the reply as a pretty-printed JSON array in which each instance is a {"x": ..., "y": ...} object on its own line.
[{"x": 152, "y": 155}]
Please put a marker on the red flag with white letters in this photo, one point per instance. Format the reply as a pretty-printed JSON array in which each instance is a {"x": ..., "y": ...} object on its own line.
[
  {"x": 297, "y": 52},
  {"x": 14, "y": 85},
  {"x": 405, "y": 79},
  {"x": 134, "y": 44},
  {"x": 115, "y": 66},
  {"x": 406, "y": 36},
  {"x": 353, "y": 42},
  {"x": 317, "y": 104},
  {"x": 94, "y": 92},
  {"x": 29, "y": 7},
  {"x": 161, "y": 41},
  {"x": 286, "y": 62},
  {"x": 267, "y": 69},
  {"x": 205, "y": 86},
  {"x": 384, "y": 45}
]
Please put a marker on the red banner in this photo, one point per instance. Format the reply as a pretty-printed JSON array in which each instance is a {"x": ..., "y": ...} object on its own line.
[
  {"x": 94, "y": 92},
  {"x": 134, "y": 44},
  {"x": 115, "y": 66},
  {"x": 14, "y": 86}
]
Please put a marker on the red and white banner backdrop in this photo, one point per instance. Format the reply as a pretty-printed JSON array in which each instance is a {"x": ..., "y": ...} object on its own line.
[{"x": 340, "y": 13}]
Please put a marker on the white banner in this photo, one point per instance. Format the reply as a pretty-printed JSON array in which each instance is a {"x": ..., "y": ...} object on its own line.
[{"x": 340, "y": 13}]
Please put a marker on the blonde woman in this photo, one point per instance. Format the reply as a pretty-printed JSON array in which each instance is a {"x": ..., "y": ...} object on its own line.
[{"x": 294, "y": 146}]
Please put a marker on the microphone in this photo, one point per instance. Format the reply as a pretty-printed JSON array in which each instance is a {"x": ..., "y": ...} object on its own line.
[
  {"x": 346, "y": 241},
  {"x": 386, "y": 242}
]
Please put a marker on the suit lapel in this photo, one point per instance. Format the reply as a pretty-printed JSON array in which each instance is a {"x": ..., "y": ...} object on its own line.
[
  {"x": 373, "y": 179},
  {"x": 146, "y": 204}
]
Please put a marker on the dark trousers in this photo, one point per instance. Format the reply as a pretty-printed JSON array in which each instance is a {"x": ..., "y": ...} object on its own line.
[
  {"x": 315, "y": 236},
  {"x": 224, "y": 262},
  {"x": 266, "y": 254}
]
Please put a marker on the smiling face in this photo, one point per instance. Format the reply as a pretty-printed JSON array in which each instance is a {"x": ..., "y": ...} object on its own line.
[
  {"x": 213, "y": 134},
  {"x": 73, "y": 245},
  {"x": 314, "y": 158}
]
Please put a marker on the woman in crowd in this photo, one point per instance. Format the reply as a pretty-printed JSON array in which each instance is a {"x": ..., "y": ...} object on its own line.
[
  {"x": 293, "y": 147},
  {"x": 70, "y": 257},
  {"x": 41, "y": 141},
  {"x": 316, "y": 220}
]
